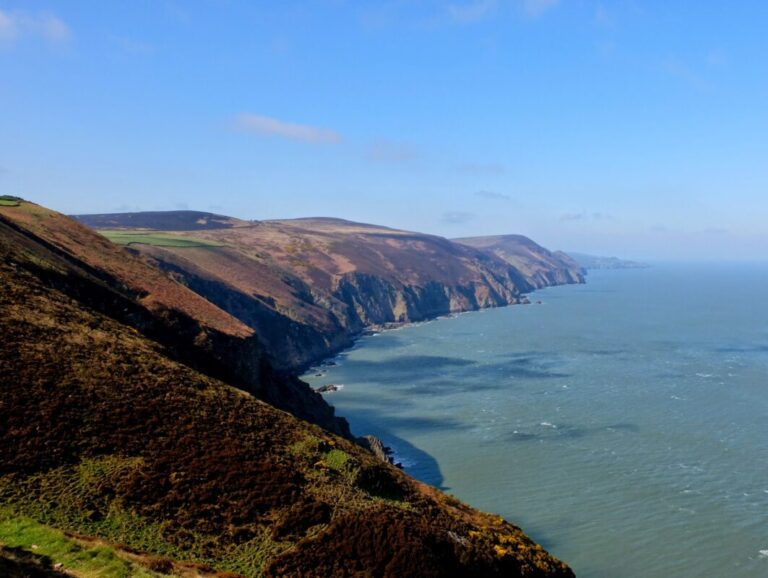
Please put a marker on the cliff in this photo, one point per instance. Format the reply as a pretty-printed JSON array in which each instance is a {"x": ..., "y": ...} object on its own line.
[
  {"x": 595, "y": 262},
  {"x": 539, "y": 266},
  {"x": 118, "y": 422},
  {"x": 308, "y": 286}
]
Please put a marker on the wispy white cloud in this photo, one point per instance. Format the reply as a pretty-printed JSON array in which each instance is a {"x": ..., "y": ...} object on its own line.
[
  {"x": 457, "y": 217},
  {"x": 585, "y": 216},
  {"x": 493, "y": 195},
  {"x": 685, "y": 73},
  {"x": 52, "y": 27},
  {"x": 132, "y": 46},
  {"x": 538, "y": 7},
  {"x": 475, "y": 10},
  {"x": 472, "y": 11},
  {"x": 482, "y": 168},
  {"x": 18, "y": 24},
  {"x": 391, "y": 152},
  {"x": 7, "y": 27},
  {"x": 275, "y": 127}
]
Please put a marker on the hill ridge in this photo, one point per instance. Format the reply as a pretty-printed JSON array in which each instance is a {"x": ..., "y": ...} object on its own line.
[{"x": 325, "y": 280}]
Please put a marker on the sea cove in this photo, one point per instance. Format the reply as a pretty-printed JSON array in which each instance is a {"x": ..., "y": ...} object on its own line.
[{"x": 621, "y": 423}]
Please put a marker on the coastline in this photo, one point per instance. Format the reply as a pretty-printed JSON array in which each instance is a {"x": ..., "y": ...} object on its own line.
[
  {"x": 329, "y": 358},
  {"x": 389, "y": 453}
]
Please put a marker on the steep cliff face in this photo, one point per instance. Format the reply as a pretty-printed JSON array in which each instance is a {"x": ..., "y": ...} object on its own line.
[
  {"x": 308, "y": 286},
  {"x": 377, "y": 301},
  {"x": 114, "y": 424},
  {"x": 539, "y": 266}
]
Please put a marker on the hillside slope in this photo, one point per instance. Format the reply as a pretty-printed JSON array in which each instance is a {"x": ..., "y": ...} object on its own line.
[
  {"x": 541, "y": 267},
  {"x": 313, "y": 284},
  {"x": 133, "y": 290},
  {"x": 597, "y": 262},
  {"x": 105, "y": 432}
]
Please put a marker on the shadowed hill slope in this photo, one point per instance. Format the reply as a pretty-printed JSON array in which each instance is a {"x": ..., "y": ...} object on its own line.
[
  {"x": 161, "y": 220},
  {"x": 312, "y": 284},
  {"x": 131, "y": 289},
  {"x": 108, "y": 433}
]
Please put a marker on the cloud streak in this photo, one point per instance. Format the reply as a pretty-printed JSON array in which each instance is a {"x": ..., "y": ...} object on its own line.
[
  {"x": 457, "y": 217},
  {"x": 538, "y": 7},
  {"x": 20, "y": 24},
  {"x": 493, "y": 195},
  {"x": 266, "y": 125},
  {"x": 476, "y": 10},
  {"x": 391, "y": 152},
  {"x": 482, "y": 168},
  {"x": 472, "y": 11},
  {"x": 682, "y": 72},
  {"x": 584, "y": 216}
]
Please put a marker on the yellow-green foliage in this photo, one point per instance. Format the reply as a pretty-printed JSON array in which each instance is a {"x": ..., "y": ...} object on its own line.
[
  {"x": 71, "y": 506},
  {"x": 337, "y": 459},
  {"x": 86, "y": 561},
  {"x": 307, "y": 447}
]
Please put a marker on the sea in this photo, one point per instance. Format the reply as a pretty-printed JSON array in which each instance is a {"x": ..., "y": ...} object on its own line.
[{"x": 623, "y": 424}]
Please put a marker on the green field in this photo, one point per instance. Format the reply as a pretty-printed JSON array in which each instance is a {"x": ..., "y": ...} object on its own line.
[
  {"x": 35, "y": 541},
  {"x": 8, "y": 203},
  {"x": 156, "y": 239}
]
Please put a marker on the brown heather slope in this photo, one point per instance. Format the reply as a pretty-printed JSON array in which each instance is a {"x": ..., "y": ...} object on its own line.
[
  {"x": 106, "y": 433},
  {"x": 310, "y": 285},
  {"x": 131, "y": 289},
  {"x": 542, "y": 268}
]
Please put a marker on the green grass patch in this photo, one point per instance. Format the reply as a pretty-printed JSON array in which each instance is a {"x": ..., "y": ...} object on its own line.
[
  {"x": 82, "y": 500},
  {"x": 307, "y": 448},
  {"x": 87, "y": 561},
  {"x": 337, "y": 459},
  {"x": 156, "y": 239},
  {"x": 8, "y": 203}
]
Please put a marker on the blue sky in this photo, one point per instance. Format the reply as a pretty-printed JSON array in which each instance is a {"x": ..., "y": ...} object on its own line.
[{"x": 617, "y": 127}]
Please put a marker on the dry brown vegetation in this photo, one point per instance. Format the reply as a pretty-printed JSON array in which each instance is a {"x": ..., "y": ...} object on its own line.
[
  {"x": 103, "y": 434},
  {"x": 107, "y": 432},
  {"x": 131, "y": 289},
  {"x": 540, "y": 266},
  {"x": 319, "y": 282}
]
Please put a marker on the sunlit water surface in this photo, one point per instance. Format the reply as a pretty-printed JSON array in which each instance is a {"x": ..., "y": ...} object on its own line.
[{"x": 623, "y": 423}]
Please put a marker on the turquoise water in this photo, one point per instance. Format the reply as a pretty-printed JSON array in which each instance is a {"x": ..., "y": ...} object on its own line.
[{"x": 623, "y": 423}]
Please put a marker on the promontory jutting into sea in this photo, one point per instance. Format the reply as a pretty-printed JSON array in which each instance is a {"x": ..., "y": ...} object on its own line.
[{"x": 620, "y": 422}]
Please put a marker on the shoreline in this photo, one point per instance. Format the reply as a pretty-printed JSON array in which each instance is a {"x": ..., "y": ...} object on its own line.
[
  {"x": 372, "y": 330},
  {"x": 389, "y": 453}
]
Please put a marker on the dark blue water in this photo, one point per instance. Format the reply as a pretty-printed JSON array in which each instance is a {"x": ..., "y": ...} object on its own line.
[{"x": 623, "y": 423}]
